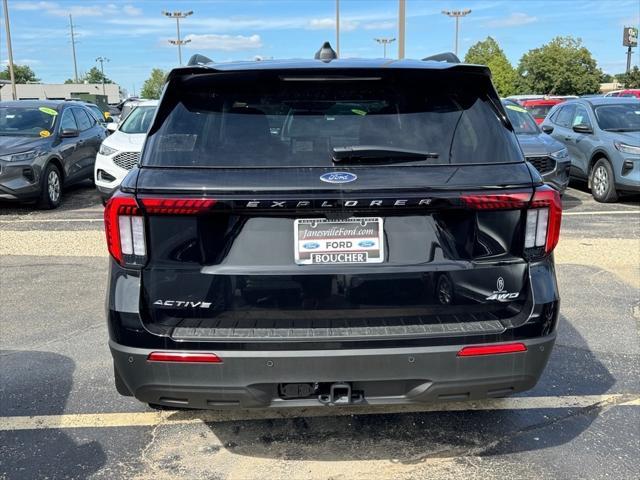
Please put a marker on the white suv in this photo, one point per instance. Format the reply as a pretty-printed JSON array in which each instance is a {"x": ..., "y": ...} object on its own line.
[{"x": 120, "y": 151}]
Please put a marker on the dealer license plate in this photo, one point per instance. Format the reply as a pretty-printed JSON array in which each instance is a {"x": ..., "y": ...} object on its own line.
[{"x": 354, "y": 240}]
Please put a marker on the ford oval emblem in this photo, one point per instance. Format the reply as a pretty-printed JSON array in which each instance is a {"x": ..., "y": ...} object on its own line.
[
  {"x": 366, "y": 243},
  {"x": 338, "y": 177},
  {"x": 311, "y": 245}
]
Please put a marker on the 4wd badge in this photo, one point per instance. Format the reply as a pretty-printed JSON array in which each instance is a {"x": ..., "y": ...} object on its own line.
[{"x": 500, "y": 294}]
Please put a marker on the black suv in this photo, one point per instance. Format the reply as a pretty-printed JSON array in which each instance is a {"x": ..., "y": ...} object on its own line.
[
  {"x": 45, "y": 145},
  {"x": 330, "y": 232}
]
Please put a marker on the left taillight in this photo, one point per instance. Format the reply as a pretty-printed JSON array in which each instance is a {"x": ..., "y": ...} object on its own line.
[{"x": 124, "y": 226}]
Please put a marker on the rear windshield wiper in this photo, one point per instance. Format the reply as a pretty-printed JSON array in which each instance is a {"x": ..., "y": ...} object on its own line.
[{"x": 378, "y": 154}]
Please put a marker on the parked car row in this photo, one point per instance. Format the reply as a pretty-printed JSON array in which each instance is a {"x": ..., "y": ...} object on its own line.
[
  {"x": 599, "y": 137},
  {"x": 46, "y": 146}
]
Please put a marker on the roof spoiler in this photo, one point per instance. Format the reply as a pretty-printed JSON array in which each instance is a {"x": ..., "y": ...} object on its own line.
[
  {"x": 448, "y": 57},
  {"x": 198, "y": 59}
]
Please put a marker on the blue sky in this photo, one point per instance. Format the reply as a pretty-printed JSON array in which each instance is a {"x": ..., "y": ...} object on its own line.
[{"x": 134, "y": 35}]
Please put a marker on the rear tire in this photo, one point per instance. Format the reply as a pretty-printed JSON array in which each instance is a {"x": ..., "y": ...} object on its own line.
[
  {"x": 602, "y": 182},
  {"x": 51, "y": 192}
]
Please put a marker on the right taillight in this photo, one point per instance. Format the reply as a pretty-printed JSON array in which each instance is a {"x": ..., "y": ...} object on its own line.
[
  {"x": 124, "y": 226},
  {"x": 543, "y": 221}
]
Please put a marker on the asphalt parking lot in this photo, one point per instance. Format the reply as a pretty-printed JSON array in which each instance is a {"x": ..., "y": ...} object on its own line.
[{"x": 60, "y": 416}]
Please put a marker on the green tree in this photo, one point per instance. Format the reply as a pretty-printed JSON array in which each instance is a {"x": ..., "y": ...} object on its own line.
[
  {"x": 22, "y": 73},
  {"x": 564, "y": 66},
  {"x": 488, "y": 52},
  {"x": 631, "y": 79},
  {"x": 152, "y": 87},
  {"x": 94, "y": 75}
]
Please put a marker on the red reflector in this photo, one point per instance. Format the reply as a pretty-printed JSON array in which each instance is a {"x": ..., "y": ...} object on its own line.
[
  {"x": 177, "y": 206},
  {"x": 118, "y": 204},
  {"x": 546, "y": 196},
  {"x": 184, "y": 357},
  {"x": 492, "y": 349},
  {"x": 496, "y": 201}
]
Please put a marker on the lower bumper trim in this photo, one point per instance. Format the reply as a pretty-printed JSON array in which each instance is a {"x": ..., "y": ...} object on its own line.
[{"x": 389, "y": 376}]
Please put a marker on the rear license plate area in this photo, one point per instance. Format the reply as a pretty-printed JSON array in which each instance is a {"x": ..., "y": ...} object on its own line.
[{"x": 356, "y": 240}]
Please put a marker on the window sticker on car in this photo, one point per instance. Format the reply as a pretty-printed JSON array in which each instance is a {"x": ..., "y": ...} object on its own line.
[
  {"x": 178, "y": 142},
  {"x": 516, "y": 108},
  {"x": 48, "y": 111},
  {"x": 45, "y": 133}
]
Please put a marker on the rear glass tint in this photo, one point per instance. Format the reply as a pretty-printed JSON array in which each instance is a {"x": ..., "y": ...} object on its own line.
[{"x": 231, "y": 121}]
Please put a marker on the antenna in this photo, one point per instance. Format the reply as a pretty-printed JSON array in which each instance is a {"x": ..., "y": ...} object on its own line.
[{"x": 326, "y": 53}]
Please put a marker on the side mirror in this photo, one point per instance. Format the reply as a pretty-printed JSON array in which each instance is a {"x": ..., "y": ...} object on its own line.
[
  {"x": 548, "y": 129},
  {"x": 112, "y": 126},
  {"x": 69, "y": 133},
  {"x": 582, "y": 128}
]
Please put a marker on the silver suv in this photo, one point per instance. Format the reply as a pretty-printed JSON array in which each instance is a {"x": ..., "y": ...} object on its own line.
[{"x": 603, "y": 139}]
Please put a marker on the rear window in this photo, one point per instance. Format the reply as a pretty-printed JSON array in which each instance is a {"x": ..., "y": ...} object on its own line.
[{"x": 235, "y": 121}]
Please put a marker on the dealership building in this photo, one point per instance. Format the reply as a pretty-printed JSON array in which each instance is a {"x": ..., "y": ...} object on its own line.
[{"x": 59, "y": 91}]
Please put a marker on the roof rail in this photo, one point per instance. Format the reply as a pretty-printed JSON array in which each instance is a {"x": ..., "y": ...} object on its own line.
[
  {"x": 448, "y": 57},
  {"x": 198, "y": 59}
]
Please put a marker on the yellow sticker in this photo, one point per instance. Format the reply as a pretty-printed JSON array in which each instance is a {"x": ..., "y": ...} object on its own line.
[
  {"x": 517, "y": 109},
  {"x": 48, "y": 111},
  {"x": 358, "y": 112},
  {"x": 45, "y": 133}
]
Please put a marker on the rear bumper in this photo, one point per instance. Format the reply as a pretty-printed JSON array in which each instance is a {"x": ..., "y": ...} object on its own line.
[{"x": 385, "y": 375}]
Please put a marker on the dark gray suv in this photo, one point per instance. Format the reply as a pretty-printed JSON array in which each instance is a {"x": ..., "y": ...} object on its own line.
[
  {"x": 45, "y": 145},
  {"x": 547, "y": 155}
]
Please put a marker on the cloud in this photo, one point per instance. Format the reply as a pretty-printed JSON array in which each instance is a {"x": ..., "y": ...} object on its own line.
[
  {"x": 225, "y": 43},
  {"x": 83, "y": 10},
  {"x": 131, "y": 10},
  {"x": 379, "y": 25},
  {"x": 516, "y": 19},
  {"x": 330, "y": 24}
]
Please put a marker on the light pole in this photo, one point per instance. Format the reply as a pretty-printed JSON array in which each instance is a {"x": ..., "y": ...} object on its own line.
[
  {"x": 456, "y": 14},
  {"x": 338, "y": 28},
  {"x": 179, "y": 42},
  {"x": 73, "y": 49},
  {"x": 102, "y": 60},
  {"x": 384, "y": 41},
  {"x": 12, "y": 75},
  {"x": 401, "y": 27}
]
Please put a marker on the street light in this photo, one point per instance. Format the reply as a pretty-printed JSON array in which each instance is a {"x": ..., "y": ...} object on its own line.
[
  {"x": 384, "y": 41},
  {"x": 101, "y": 60},
  {"x": 10, "y": 51},
  {"x": 178, "y": 16},
  {"x": 456, "y": 14}
]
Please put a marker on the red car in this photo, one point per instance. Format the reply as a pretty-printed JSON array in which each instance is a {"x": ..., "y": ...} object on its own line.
[
  {"x": 630, "y": 92},
  {"x": 539, "y": 108}
]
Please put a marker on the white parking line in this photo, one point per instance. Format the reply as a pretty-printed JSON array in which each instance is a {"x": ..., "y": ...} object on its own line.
[
  {"x": 602, "y": 212},
  {"x": 148, "y": 419},
  {"x": 53, "y": 220}
]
